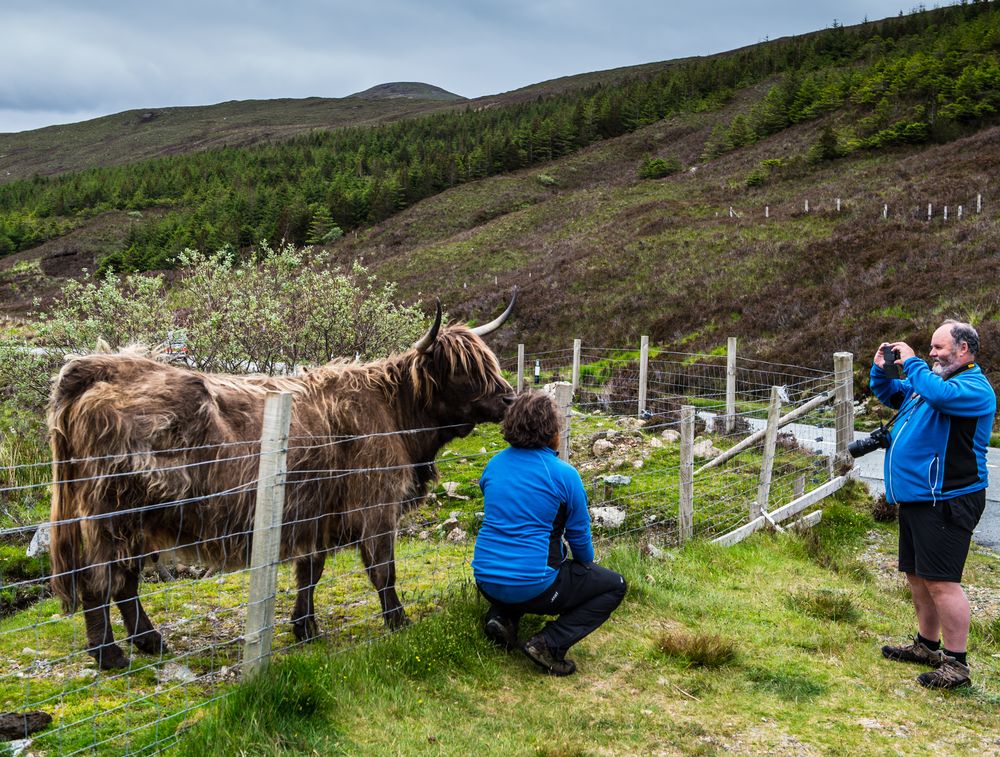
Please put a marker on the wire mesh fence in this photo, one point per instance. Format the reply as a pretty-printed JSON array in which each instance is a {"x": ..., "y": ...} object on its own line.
[{"x": 176, "y": 576}]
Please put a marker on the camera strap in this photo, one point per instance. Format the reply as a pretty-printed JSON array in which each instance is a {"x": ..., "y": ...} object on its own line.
[{"x": 916, "y": 400}]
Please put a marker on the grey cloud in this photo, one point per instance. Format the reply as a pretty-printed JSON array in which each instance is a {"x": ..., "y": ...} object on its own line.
[{"x": 103, "y": 56}]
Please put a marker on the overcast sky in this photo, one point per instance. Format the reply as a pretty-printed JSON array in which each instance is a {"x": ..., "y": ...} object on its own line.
[{"x": 70, "y": 60}]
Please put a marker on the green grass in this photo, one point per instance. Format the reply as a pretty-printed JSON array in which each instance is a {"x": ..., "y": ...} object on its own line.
[
  {"x": 794, "y": 682},
  {"x": 703, "y": 609}
]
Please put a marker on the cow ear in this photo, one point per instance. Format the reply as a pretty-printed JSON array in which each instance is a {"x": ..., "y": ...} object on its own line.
[{"x": 425, "y": 342}]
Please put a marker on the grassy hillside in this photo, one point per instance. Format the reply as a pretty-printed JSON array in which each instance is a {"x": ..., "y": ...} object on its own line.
[
  {"x": 157, "y": 131},
  {"x": 548, "y": 193},
  {"x": 607, "y": 257},
  {"x": 769, "y": 647}
]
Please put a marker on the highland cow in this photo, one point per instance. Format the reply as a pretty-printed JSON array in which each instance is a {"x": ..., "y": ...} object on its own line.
[{"x": 148, "y": 456}]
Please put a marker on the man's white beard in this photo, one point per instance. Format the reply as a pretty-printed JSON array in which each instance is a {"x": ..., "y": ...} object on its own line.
[{"x": 943, "y": 370}]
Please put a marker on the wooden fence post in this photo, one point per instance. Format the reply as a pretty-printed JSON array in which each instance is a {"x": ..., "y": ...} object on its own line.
[
  {"x": 576, "y": 365},
  {"x": 685, "y": 507},
  {"x": 266, "y": 547},
  {"x": 563, "y": 392},
  {"x": 520, "y": 368},
  {"x": 843, "y": 375},
  {"x": 770, "y": 440},
  {"x": 730, "y": 384},
  {"x": 643, "y": 372}
]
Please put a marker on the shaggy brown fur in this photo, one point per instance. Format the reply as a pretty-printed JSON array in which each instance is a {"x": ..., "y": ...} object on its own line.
[{"x": 171, "y": 455}]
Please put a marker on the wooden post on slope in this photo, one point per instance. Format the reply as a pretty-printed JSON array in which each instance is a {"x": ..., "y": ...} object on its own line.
[
  {"x": 576, "y": 365},
  {"x": 563, "y": 392},
  {"x": 643, "y": 372},
  {"x": 843, "y": 376},
  {"x": 266, "y": 548},
  {"x": 520, "y": 368},
  {"x": 685, "y": 506},
  {"x": 730, "y": 384},
  {"x": 770, "y": 441}
]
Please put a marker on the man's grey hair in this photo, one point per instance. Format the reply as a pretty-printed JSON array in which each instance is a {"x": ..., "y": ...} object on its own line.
[{"x": 964, "y": 332}]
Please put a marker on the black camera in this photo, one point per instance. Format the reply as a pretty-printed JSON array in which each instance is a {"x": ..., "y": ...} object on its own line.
[
  {"x": 889, "y": 367},
  {"x": 878, "y": 439}
]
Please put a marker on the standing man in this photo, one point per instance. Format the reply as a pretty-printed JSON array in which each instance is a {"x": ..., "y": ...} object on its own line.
[
  {"x": 534, "y": 503},
  {"x": 935, "y": 471}
]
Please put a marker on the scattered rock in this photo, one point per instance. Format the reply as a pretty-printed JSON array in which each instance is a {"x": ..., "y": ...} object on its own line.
[
  {"x": 18, "y": 724},
  {"x": 451, "y": 490},
  {"x": 638, "y": 463},
  {"x": 705, "y": 449},
  {"x": 457, "y": 535},
  {"x": 629, "y": 423},
  {"x": 655, "y": 442},
  {"x": 670, "y": 436},
  {"x": 653, "y": 551},
  {"x": 449, "y": 524},
  {"x": 424, "y": 535},
  {"x": 616, "y": 480},
  {"x": 40, "y": 541},
  {"x": 173, "y": 671},
  {"x": 609, "y": 517},
  {"x": 603, "y": 448}
]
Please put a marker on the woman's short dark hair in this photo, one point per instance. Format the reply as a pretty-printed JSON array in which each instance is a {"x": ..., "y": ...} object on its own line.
[{"x": 532, "y": 421}]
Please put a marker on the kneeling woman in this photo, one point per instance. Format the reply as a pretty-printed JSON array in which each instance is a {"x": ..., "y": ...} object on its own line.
[{"x": 532, "y": 501}]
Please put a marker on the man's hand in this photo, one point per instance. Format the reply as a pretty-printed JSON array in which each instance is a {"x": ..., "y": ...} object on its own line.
[
  {"x": 905, "y": 351},
  {"x": 879, "y": 359}
]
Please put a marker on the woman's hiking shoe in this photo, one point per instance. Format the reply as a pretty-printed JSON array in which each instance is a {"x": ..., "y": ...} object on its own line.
[
  {"x": 502, "y": 632},
  {"x": 949, "y": 675},
  {"x": 916, "y": 652},
  {"x": 539, "y": 652}
]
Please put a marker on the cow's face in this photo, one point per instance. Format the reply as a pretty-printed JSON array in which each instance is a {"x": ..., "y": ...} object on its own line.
[
  {"x": 469, "y": 386},
  {"x": 470, "y": 405}
]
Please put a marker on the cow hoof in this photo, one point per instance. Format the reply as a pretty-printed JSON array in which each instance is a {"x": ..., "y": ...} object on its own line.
[
  {"x": 396, "y": 619},
  {"x": 150, "y": 642},
  {"x": 305, "y": 629},
  {"x": 109, "y": 657}
]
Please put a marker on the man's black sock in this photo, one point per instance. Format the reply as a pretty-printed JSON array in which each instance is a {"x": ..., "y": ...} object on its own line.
[
  {"x": 960, "y": 656},
  {"x": 931, "y": 645}
]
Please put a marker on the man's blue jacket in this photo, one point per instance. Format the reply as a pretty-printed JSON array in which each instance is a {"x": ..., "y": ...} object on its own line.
[
  {"x": 531, "y": 500},
  {"x": 939, "y": 439}
]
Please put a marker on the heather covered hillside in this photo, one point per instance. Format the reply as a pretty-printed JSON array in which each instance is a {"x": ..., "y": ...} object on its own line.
[{"x": 669, "y": 199}]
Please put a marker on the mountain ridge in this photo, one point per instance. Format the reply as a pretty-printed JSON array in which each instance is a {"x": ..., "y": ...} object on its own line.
[
  {"x": 606, "y": 249},
  {"x": 409, "y": 90}
]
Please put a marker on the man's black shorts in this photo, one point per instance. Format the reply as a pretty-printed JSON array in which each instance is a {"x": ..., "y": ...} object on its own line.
[{"x": 934, "y": 537}]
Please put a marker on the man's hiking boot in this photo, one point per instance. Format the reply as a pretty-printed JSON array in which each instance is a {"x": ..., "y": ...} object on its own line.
[
  {"x": 916, "y": 652},
  {"x": 501, "y": 631},
  {"x": 949, "y": 675},
  {"x": 539, "y": 652}
]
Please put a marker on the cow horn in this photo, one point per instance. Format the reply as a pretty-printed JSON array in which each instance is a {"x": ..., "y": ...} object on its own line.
[
  {"x": 424, "y": 342},
  {"x": 488, "y": 328}
]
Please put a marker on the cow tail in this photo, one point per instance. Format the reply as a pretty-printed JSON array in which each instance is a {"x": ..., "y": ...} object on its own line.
[{"x": 66, "y": 543}]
